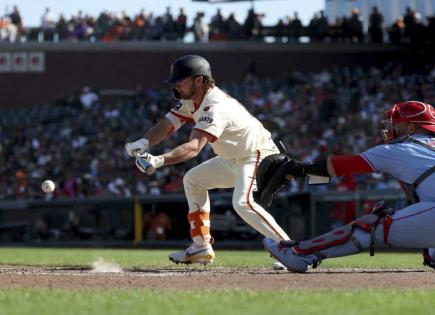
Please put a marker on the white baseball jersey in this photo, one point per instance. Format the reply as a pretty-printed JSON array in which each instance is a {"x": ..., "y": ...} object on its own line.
[{"x": 232, "y": 131}]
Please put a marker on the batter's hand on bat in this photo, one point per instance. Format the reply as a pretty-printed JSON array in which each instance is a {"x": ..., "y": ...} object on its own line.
[
  {"x": 148, "y": 163},
  {"x": 139, "y": 146}
]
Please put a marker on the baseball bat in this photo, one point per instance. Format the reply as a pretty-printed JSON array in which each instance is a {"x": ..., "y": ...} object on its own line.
[{"x": 142, "y": 162}]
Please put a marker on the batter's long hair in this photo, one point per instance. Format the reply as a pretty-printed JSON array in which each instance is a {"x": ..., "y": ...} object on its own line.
[{"x": 209, "y": 82}]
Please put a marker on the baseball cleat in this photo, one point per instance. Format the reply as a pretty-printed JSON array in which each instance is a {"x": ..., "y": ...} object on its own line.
[
  {"x": 194, "y": 255},
  {"x": 278, "y": 265},
  {"x": 285, "y": 255}
]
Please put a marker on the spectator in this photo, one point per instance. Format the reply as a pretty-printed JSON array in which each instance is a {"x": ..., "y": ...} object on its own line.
[
  {"x": 410, "y": 22},
  {"x": 338, "y": 29},
  {"x": 88, "y": 97},
  {"x": 417, "y": 34},
  {"x": 78, "y": 146},
  {"x": 322, "y": 26},
  {"x": 233, "y": 27},
  {"x": 217, "y": 27},
  {"x": 199, "y": 28},
  {"x": 258, "y": 26},
  {"x": 344, "y": 211},
  {"x": 138, "y": 25},
  {"x": 109, "y": 26},
  {"x": 313, "y": 28},
  {"x": 396, "y": 31},
  {"x": 280, "y": 29},
  {"x": 295, "y": 28},
  {"x": 16, "y": 20},
  {"x": 375, "y": 26},
  {"x": 47, "y": 25},
  {"x": 8, "y": 30},
  {"x": 169, "y": 26},
  {"x": 156, "y": 225},
  {"x": 249, "y": 24},
  {"x": 181, "y": 24},
  {"x": 355, "y": 26}
]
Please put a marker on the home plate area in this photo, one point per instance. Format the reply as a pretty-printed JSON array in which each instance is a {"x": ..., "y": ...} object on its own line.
[{"x": 214, "y": 278}]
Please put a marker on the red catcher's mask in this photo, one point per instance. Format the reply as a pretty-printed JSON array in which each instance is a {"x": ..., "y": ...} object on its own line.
[{"x": 415, "y": 112}]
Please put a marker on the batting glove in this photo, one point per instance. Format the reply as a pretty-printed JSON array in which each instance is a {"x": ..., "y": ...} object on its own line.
[
  {"x": 139, "y": 146},
  {"x": 148, "y": 163}
]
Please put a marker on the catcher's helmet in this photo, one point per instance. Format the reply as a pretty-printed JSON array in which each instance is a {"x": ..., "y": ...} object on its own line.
[
  {"x": 189, "y": 66},
  {"x": 415, "y": 112}
]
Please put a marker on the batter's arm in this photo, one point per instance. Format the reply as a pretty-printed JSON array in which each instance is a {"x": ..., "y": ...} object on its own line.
[
  {"x": 159, "y": 131},
  {"x": 187, "y": 150}
]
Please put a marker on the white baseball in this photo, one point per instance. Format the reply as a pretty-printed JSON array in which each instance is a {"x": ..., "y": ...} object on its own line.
[{"x": 48, "y": 186}]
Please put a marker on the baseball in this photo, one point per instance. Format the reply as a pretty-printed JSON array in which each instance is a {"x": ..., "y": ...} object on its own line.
[{"x": 48, "y": 186}]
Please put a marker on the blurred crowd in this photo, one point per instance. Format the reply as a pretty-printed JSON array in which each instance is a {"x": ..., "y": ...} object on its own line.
[
  {"x": 79, "y": 141},
  {"x": 108, "y": 26}
]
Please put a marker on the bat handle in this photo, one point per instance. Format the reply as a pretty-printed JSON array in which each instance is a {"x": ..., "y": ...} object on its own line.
[{"x": 142, "y": 162}]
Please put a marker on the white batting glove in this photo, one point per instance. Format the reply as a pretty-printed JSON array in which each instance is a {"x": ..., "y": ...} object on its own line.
[
  {"x": 139, "y": 146},
  {"x": 148, "y": 163}
]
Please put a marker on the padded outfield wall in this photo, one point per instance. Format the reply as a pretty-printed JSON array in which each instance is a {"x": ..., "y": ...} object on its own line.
[{"x": 67, "y": 67}]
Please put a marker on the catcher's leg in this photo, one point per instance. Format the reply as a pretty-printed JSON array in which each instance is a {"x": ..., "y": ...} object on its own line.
[
  {"x": 214, "y": 173},
  {"x": 411, "y": 227},
  {"x": 244, "y": 204}
]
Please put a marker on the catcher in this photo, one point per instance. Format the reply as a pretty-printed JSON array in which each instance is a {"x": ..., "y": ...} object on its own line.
[{"x": 408, "y": 155}]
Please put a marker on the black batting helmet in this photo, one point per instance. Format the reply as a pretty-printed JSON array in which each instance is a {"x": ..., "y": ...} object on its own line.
[{"x": 189, "y": 66}]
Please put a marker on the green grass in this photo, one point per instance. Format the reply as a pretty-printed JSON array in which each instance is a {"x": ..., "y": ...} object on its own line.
[
  {"x": 236, "y": 301},
  {"x": 132, "y": 302},
  {"x": 159, "y": 258}
]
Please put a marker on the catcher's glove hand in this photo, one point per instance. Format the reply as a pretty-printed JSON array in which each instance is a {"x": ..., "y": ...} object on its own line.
[
  {"x": 273, "y": 173},
  {"x": 271, "y": 176}
]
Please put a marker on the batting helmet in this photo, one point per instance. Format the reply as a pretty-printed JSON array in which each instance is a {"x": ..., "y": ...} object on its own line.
[
  {"x": 415, "y": 112},
  {"x": 189, "y": 66}
]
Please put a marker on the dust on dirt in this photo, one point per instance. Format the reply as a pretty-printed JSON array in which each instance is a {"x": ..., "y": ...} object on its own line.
[{"x": 213, "y": 278}]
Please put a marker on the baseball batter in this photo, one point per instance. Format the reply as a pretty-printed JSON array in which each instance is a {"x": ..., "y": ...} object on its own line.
[
  {"x": 239, "y": 140},
  {"x": 409, "y": 156}
]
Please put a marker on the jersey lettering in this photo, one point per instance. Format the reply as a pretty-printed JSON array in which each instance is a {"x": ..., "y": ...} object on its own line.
[
  {"x": 178, "y": 106},
  {"x": 205, "y": 119}
]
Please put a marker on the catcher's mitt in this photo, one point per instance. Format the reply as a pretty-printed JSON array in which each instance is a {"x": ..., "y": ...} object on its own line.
[{"x": 271, "y": 176}]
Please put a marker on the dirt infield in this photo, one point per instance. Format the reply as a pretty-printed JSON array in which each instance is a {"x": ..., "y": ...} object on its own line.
[{"x": 213, "y": 278}]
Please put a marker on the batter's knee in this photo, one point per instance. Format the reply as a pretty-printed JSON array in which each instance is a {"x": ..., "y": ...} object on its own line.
[
  {"x": 240, "y": 205},
  {"x": 194, "y": 179},
  {"x": 188, "y": 179}
]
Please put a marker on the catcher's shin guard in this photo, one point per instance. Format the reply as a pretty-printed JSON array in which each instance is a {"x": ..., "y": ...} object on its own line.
[{"x": 348, "y": 236}]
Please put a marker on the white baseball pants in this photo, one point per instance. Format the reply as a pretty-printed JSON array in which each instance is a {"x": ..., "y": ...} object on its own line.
[{"x": 222, "y": 173}]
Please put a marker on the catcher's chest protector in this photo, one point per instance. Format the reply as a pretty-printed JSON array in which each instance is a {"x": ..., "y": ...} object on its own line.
[{"x": 410, "y": 189}]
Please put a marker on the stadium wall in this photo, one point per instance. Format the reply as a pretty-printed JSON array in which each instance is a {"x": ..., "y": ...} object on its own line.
[{"x": 70, "y": 66}]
